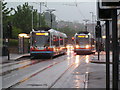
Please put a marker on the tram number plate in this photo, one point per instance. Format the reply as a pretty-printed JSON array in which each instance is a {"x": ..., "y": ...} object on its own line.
[
  {"x": 81, "y": 46},
  {"x": 40, "y": 48}
]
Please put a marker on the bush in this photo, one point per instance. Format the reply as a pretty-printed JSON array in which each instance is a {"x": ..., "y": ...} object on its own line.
[
  {"x": 15, "y": 32},
  {"x": 13, "y": 42}
]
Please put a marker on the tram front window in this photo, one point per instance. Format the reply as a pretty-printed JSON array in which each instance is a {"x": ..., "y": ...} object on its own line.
[
  {"x": 82, "y": 41},
  {"x": 41, "y": 41}
]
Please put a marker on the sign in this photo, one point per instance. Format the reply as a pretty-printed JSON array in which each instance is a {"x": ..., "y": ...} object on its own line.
[
  {"x": 83, "y": 36},
  {"x": 109, "y": 4},
  {"x": 103, "y": 14},
  {"x": 46, "y": 34}
]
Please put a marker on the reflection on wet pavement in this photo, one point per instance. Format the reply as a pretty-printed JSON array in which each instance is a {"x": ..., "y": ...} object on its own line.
[{"x": 87, "y": 58}]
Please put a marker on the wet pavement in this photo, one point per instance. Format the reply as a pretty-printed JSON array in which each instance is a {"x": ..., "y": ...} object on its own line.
[
  {"x": 13, "y": 57},
  {"x": 98, "y": 78},
  {"x": 67, "y": 71},
  {"x": 47, "y": 74},
  {"x": 18, "y": 75}
]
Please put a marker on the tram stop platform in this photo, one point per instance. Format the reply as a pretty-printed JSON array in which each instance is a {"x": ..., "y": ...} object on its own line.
[
  {"x": 13, "y": 57},
  {"x": 97, "y": 79}
]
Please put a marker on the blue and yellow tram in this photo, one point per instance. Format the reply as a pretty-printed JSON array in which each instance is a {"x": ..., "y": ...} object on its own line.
[
  {"x": 84, "y": 43},
  {"x": 47, "y": 43}
]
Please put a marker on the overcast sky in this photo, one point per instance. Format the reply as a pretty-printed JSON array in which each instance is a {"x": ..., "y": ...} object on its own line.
[{"x": 68, "y": 11}]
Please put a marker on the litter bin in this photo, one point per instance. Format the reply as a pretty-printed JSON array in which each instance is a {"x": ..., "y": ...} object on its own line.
[{"x": 4, "y": 50}]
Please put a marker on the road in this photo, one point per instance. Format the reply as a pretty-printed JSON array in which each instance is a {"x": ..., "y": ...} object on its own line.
[{"x": 66, "y": 71}]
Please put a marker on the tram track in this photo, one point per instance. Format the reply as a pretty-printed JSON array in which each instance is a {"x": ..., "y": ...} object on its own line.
[
  {"x": 32, "y": 62},
  {"x": 45, "y": 68},
  {"x": 19, "y": 82},
  {"x": 15, "y": 63},
  {"x": 72, "y": 65},
  {"x": 34, "y": 74},
  {"x": 22, "y": 67},
  {"x": 60, "y": 76}
]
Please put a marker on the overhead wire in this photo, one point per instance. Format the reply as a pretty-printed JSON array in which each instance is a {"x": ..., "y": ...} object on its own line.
[
  {"x": 79, "y": 11},
  {"x": 76, "y": 5},
  {"x": 56, "y": 16},
  {"x": 82, "y": 15}
]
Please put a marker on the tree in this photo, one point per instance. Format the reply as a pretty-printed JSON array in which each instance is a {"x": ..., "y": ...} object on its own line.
[
  {"x": 16, "y": 31},
  {"x": 23, "y": 18},
  {"x": 6, "y": 18}
]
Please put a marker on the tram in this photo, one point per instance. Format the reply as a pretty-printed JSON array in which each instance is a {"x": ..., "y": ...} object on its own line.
[
  {"x": 47, "y": 43},
  {"x": 84, "y": 43}
]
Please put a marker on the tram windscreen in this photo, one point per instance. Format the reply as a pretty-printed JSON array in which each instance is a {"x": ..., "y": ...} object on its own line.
[
  {"x": 82, "y": 40},
  {"x": 40, "y": 40}
]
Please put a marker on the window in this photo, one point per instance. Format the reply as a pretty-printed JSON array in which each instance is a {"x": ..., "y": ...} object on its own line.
[{"x": 55, "y": 40}]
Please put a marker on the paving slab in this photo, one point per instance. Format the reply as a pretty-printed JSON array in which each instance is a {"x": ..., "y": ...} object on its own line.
[{"x": 4, "y": 59}]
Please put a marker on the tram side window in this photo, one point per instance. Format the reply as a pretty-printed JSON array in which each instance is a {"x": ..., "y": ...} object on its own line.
[
  {"x": 61, "y": 41},
  {"x": 55, "y": 41}
]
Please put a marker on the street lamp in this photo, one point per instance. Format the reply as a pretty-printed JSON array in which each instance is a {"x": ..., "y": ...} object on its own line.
[
  {"x": 39, "y": 14},
  {"x": 50, "y": 11},
  {"x": 32, "y": 16},
  {"x": 32, "y": 23},
  {"x": 103, "y": 37},
  {"x": 23, "y": 35},
  {"x": 92, "y": 14},
  {"x": 86, "y": 20},
  {"x": 1, "y": 34}
]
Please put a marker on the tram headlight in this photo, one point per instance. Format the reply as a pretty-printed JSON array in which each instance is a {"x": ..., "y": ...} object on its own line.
[
  {"x": 87, "y": 46},
  {"x": 77, "y": 46},
  {"x": 67, "y": 46}
]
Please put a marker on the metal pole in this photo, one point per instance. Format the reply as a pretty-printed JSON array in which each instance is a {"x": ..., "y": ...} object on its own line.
[
  {"x": 86, "y": 20},
  {"x": 51, "y": 18},
  {"x": 115, "y": 50},
  {"x": 40, "y": 16},
  {"x": 98, "y": 48},
  {"x": 93, "y": 22},
  {"x": 1, "y": 29},
  {"x": 32, "y": 17},
  {"x": 23, "y": 44},
  {"x": 8, "y": 49},
  {"x": 107, "y": 43},
  {"x": 1, "y": 39},
  {"x": 50, "y": 11},
  {"x": 86, "y": 27}
]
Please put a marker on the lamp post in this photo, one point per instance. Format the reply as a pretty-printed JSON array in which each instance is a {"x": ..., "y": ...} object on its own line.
[
  {"x": 33, "y": 22},
  {"x": 92, "y": 15},
  {"x": 50, "y": 11},
  {"x": 39, "y": 14},
  {"x": 32, "y": 16},
  {"x": 86, "y": 20},
  {"x": 1, "y": 35}
]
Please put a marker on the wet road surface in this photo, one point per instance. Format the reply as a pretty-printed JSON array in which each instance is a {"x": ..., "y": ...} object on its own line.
[{"x": 50, "y": 73}]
